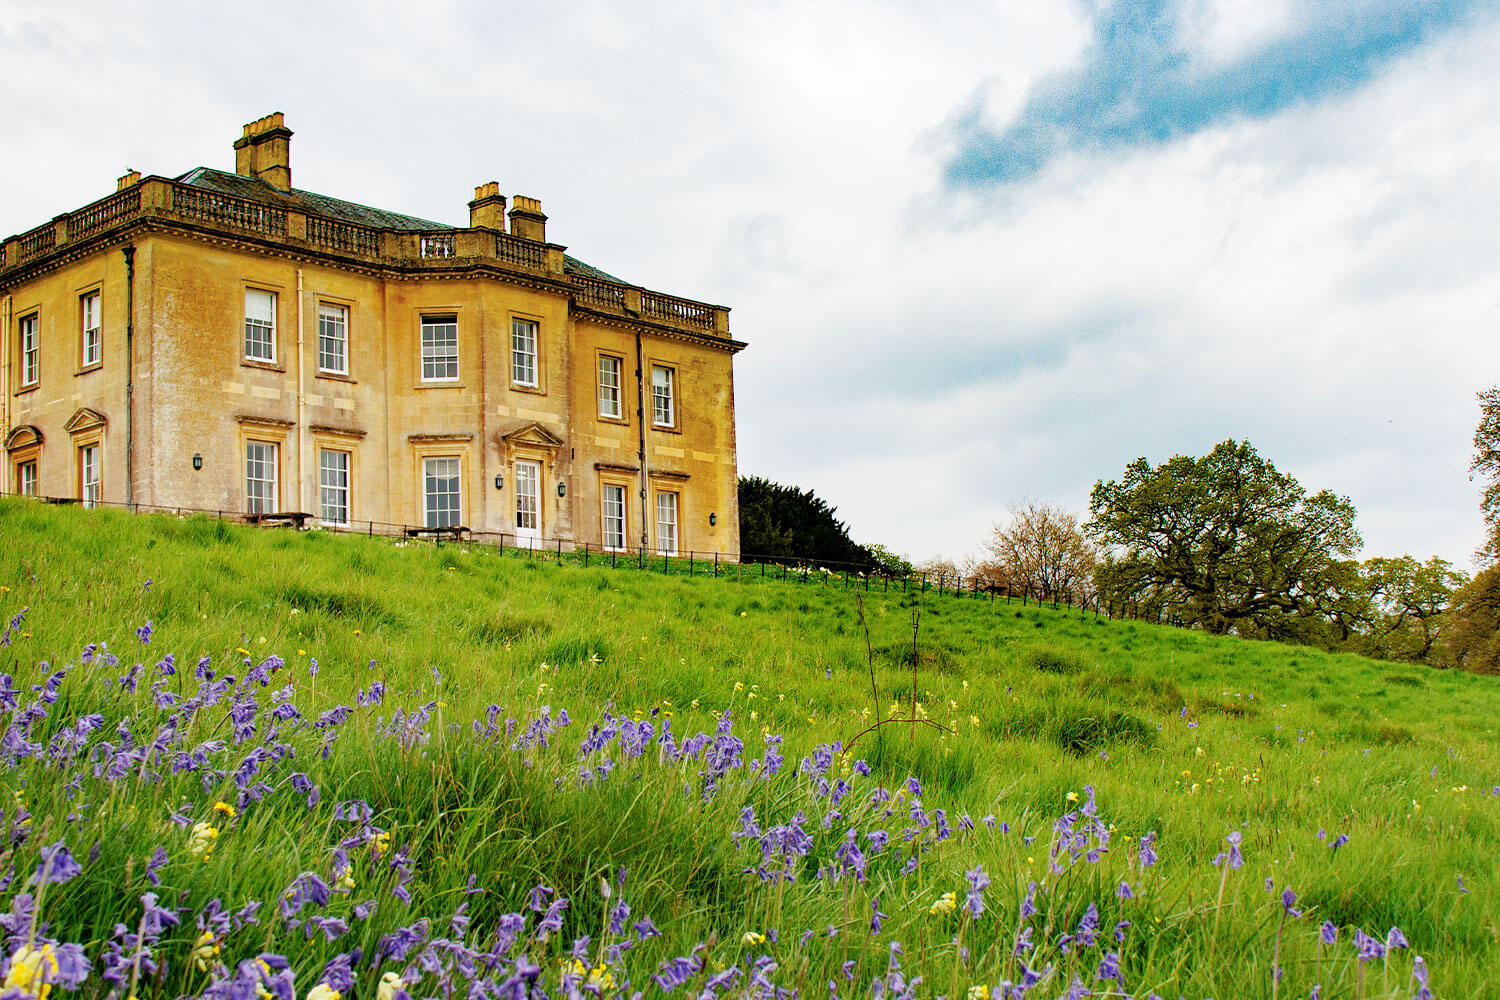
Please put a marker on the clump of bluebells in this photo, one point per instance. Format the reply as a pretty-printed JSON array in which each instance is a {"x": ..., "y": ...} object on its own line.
[{"x": 221, "y": 754}]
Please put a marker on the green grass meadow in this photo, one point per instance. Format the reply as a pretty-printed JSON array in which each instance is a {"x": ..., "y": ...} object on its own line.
[{"x": 1008, "y": 712}]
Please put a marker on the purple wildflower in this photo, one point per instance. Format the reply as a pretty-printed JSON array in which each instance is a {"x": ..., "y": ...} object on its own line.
[
  {"x": 1368, "y": 947},
  {"x": 57, "y": 865},
  {"x": 877, "y": 918},
  {"x": 1328, "y": 933}
]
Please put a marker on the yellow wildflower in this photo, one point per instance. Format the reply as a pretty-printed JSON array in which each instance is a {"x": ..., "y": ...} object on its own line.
[
  {"x": 201, "y": 840},
  {"x": 752, "y": 938},
  {"x": 979, "y": 991},
  {"x": 226, "y": 809},
  {"x": 389, "y": 984},
  {"x": 1072, "y": 796},
  {"x": 30, "y": 968},
  {"x": 205, "y": 950},
  {"x": 946, "y": 903},
  {"x": 739, "y": 686},
  {"x": 381, "y": 843},
  {"x": 323, "y": 991},
  {"x": 357, "y": 632}
]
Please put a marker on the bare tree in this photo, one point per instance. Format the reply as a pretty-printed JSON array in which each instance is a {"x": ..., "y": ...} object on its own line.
[{"x": 1042, "y": 551}]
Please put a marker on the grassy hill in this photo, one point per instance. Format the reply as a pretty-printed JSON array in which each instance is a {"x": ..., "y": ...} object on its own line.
[{"x": 389, "y": 746}]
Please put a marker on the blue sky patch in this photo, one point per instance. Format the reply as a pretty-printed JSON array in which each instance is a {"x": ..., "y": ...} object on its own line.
[{"x": 1138, "y": 84}]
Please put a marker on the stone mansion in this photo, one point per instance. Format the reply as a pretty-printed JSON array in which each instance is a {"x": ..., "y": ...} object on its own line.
[{"x": 226, "y": 342}]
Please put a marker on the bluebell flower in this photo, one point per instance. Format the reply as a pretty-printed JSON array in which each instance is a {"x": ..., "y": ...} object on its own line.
[
  {"x": 57, "y": 865},
  {"x": 1328, "y": 933}
]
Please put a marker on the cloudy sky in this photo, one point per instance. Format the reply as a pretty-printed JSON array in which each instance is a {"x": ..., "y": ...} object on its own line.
[{"x": 982, "y": 252}]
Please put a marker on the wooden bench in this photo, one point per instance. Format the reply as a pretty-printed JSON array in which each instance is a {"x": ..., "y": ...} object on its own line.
[
  {"x": 288, "y": 518},
  {"x": 457, "y": 532}
]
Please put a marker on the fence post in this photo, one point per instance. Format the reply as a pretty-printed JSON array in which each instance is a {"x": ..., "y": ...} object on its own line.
[
  {"x": 690, "y": 562},
  {"x": 716, "y": 564},
  {"x": 924, "y": 583}
]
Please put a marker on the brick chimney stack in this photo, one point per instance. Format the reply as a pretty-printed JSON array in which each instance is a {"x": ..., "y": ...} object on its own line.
[
  {"x": 527, "y": 220},
  {"x": 487, "y": 210},
  {"x": 264, "y": 151}
]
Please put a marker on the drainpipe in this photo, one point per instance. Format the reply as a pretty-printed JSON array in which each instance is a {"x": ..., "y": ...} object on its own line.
[
  {"x": 640, "y": 421},
  {"x": 129, "y": 251},
  {"x": 300, "y": 428},
  {"x": 4, "y": 369}
]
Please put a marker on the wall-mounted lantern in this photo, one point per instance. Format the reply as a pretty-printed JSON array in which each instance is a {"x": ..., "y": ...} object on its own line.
[
  {"x": 713, "y": 519},
  {"x": 197, "y": 461},
  {"x": 499, "y": 480},
  {"x": 562, "y": 488}
]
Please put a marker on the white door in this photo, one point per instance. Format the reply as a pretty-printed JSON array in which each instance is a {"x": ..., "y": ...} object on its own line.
[{"x": 528, "y": 503}]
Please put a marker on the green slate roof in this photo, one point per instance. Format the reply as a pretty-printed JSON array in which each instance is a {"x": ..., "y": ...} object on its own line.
[{"x": 255, "y": 189}]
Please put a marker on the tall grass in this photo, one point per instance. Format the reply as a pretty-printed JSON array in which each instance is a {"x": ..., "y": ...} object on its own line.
[{"x": 1366, "y": 789}]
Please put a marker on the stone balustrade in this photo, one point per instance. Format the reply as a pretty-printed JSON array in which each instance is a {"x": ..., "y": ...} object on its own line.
[{"x": 157, "y": 198}]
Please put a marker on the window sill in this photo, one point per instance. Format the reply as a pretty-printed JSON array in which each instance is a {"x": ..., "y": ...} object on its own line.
[
  {"x": 265, "y": 366},
  {"x": 96, "y": 366},
  {"x": 337, "y": 377},
  {"x": 665, "y": 429},
  {"x": 617, "y": 421},
  {"x": 535, "y": 390},
  {"x": 32, "y": 387},
  {"x": 441, "y": 384}
]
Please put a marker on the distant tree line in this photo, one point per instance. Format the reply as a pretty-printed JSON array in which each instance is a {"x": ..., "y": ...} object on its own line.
[{"x": 1224, "y": 542}]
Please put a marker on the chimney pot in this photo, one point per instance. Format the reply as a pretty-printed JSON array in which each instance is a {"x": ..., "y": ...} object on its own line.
[
  {"x": 129, "y": 180},
  {"x": 264, "y": 151},
  {"x": 487, "y": 210},
  {"x": 527, "y": 220}
]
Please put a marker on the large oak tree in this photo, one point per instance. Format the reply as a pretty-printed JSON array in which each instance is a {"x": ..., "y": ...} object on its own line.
[{"x": 1225, "y": 541}]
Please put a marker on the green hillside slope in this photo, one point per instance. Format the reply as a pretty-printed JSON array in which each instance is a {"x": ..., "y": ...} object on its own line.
[{"x": 435, "y": 731}]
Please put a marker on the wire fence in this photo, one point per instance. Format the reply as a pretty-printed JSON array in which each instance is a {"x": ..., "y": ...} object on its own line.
[{"x": 740, "y": 566}]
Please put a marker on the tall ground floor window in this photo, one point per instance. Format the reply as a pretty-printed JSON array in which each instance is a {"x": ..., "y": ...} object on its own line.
[
  {"x": 333, "y": 487},
  {"x": 440, "y": 492},
  {"x": 666, "y": 524},
  {"x": 89, "y": 490},
  {"x": 26, "y": 479},
  {"x": 614, "y": 517},
  {"x": 261, "y": 493}
]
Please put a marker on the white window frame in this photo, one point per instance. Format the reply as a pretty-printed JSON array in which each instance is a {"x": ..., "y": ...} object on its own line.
[
  {"x": 333, "y": 487},
  {"x": 26, "y": 478},
  {"x": 90, "y": 475},
  {"x": 262, "y": 486},
  {"x": 440, "y": 348},
  {"x": 333, "y": 338},
  {"x": 260, "y": 330},
  {"x": 663, "y": 396},
  {"x": 524, "y": 336},
  {"x": 612, "y": 512},
  {"x": 439, "y": 473},
  {"x": 91, "y": 325},
  {"x": 668, "y": 515},
  {"x": 29, "y": 326},
  {"x": 610, "y": 386}
]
